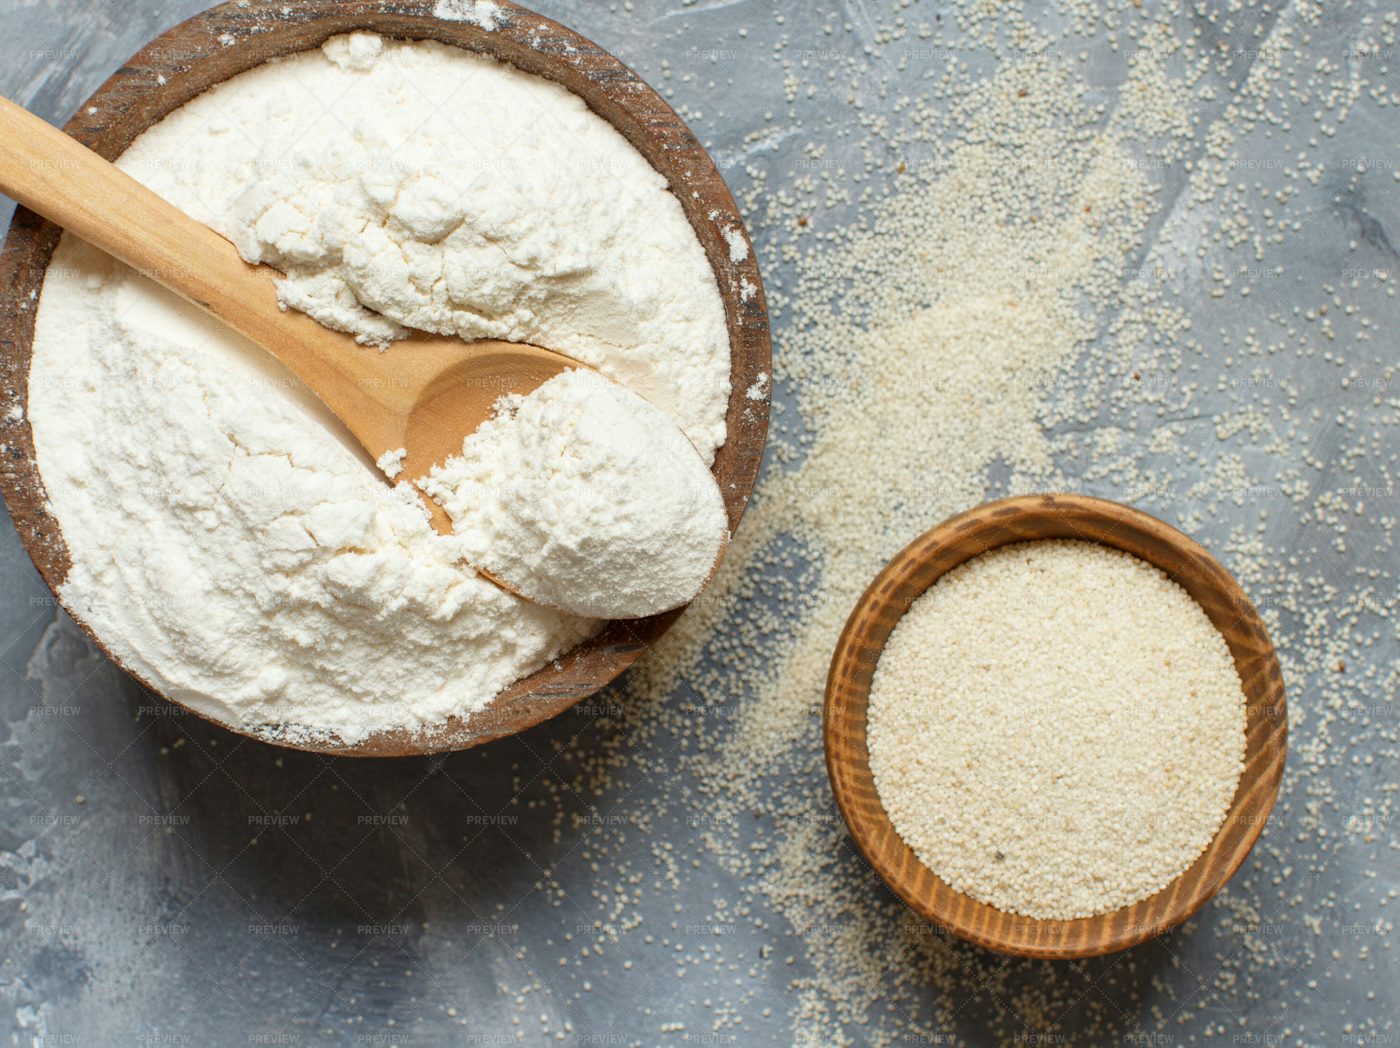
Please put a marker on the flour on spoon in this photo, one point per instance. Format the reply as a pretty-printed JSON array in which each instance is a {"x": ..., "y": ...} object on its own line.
[{"x": 584, "y": 496}]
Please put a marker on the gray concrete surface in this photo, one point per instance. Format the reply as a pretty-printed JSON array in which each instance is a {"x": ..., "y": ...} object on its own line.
[{"x": 165, "y": 882}]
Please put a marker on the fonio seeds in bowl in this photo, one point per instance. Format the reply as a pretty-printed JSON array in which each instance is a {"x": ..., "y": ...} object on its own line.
[
  {"x": 1056, "y": 728},
  {"x": 228, "y": 542}
]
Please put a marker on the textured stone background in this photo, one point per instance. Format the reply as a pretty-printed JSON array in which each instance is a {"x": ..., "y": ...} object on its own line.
[{"x": 164, "y": 882}]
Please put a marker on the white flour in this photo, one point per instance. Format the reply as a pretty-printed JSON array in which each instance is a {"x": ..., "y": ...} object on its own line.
[
  {"x": 229, "y": 542},
  {"x": 484, "y": 13},
  {"x": 391, "y": 462},
  {"x": 584, "y": 496},
  {"x": 453, "y": 196}
]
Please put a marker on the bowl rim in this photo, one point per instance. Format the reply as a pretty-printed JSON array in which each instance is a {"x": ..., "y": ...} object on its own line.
[
  {"x": 233, "y": 37},
  {"x": 955, "y": 541}
]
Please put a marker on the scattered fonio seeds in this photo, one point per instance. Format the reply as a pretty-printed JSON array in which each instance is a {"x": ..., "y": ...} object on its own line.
[{"x": 1056, "y": 729}]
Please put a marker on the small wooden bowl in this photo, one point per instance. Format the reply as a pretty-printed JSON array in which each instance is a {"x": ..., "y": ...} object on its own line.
[
  {"x": 960, "y": 539},
  {"x": 236, "y": 36}
]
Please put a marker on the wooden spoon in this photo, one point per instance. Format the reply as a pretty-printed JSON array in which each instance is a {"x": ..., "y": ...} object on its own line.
[{"x": 424, "y": 396}]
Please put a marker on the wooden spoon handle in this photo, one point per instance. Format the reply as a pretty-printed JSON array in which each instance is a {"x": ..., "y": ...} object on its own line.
[
  {"x": 53, "y": 174},
  {"x": 61, "y": 179}
]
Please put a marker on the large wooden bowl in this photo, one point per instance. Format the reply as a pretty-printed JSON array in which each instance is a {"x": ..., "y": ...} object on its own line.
[
  {"x": 235, "y": 37},
  {"x": 960, "y": 539}
]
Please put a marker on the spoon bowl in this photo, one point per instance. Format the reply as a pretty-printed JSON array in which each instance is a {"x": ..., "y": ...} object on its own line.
[
  {"x": 459, "y": 390},
  {"x": 957, "y": 541}
]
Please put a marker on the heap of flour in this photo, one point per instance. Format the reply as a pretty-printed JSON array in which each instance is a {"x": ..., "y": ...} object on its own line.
[
  {"x": 229, "y": 541},
  {"x": 584, "y": 496},
  {"x": 471, "y": 200}
]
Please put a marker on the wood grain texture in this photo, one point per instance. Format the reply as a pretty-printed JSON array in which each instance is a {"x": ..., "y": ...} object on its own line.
[
  {"x": 918, "y": 567},
  {"x": 234, "y": 37}
]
